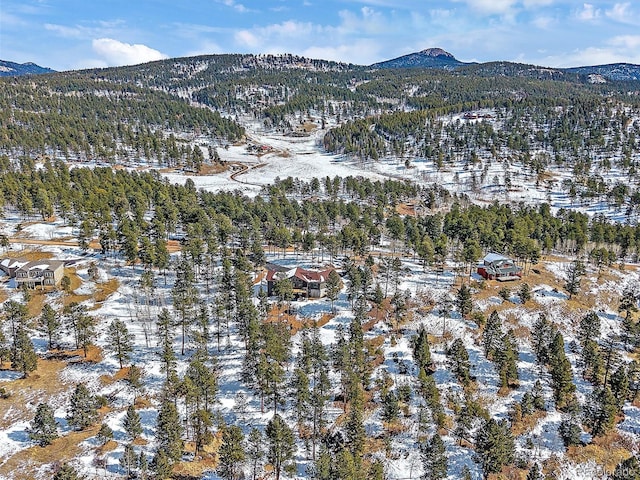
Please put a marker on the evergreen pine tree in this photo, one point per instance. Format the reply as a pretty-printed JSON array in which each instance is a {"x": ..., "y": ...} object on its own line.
[
  {"x": 44, "y": 428},
  {"x": 569, "y": 431},
  {"x": 49, "y": 324},
  {"x": 561, "y": 376},
  {"x": 492, "y": 335},
  {"x": 129, "y": 460},
  {"x": 390, "y": 407},
  {"x": 301, "y": 396},
  {"x": 458, "y": 361},
  {"x": 506, "y": 358},
  {"x": 83, "y": 411},
  {"x": 165, "y": 333},
  {"x": 201, "y": 422},
  {"x": 131, "y": 423},
  {"x": 592, "y": 361},
  {"x": 542, "y": 336},
  {"x": 143, "y": 465},
  {"x": 628, "y": 301},
  {"x": 628, "y": 469},
  {"x": 86, "y": 332},
  {"x": 535, "y": 473},
  {"x": 434, "y": 459},
  {"x": 161, "y": 465},
  {"x": 169, "y": 431},
  {"x": 464, "y": 302},
  {"x": 619, "y": 384},
  {"x": 281, "y": 445},
  {"x": 600, "y": 411},
  {"x": 495, "y": 446},
  {"x": 334, "y": 284},
  {"x": 575, "y": 272},
  {"x": 255, "y": 451},
  {"x": 119, "y": 341},
  {"x": 421, "y": 351},
  {"x": 231, "y": 453},
  {"x": 589, "y": 327},
  {"x": 524, "y": 293},
  {"x": 66, "y": 472},
  {"x": 23, "y": 354},
  {"x": 354, "y": 427},
  {"x": 104, "y": 434}
]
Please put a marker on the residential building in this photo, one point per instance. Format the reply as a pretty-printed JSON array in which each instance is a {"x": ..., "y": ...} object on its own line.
[
  {"x": 309, "y": 283},
  {"x": 498, "y": 267}
]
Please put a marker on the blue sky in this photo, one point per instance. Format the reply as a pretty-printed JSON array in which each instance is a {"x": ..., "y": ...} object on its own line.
[{"x": 72, "y": 34}]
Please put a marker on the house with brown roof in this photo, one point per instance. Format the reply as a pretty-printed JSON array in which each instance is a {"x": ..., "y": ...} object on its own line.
[{"x": 309, "y": 283}]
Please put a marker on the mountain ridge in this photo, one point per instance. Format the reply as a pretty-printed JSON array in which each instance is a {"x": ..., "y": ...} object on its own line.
[
  {"x": 428, "y": 58},
  {"x": 437, "y": 58},
  {"x": 13, "y": 69}
]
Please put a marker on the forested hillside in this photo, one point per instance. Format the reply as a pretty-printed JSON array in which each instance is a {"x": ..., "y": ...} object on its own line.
[{"x": 185, "y": 338}]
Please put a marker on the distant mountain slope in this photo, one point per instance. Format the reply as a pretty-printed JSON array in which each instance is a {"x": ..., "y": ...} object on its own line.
[
  {"x": 429, "y": 58},
  {"x": 511, "y": 69},
  {"x": 613, "y": 71},
  {"x": 12, "y": 69},
  {"x": 437, "y": 58}
]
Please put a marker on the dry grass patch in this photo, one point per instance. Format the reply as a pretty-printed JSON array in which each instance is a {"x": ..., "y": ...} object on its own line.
[
  {"x": 108, "y": 447},
  {"x": 76, "y": 282},
  {"x": 105, "y": 290},
  {"x": 41, "y": 385},
  {"x": 607, "y": 451},
  {"x": 173, "y": 246},
  {"x": 509, "y": 473},
  {"x": 373, "y": 445},
  {"x": 36, "y": 302},
  {"x": 527, "y": 423},
  {"x": 394, "y": 428},
  {"x": 142, "y": 402},
  {"x": 26, "y": 463},
  {"x": 207, "y": 460},
  {"x": 30, "y": 255},
  {"x": 212, "y": 168},
  {"x": 406, "y": 209},
  {"x": 111, "y": 379}
]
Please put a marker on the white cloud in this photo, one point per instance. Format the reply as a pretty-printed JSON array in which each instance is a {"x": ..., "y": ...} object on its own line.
[
  {"x": 621, "y": 12},
  {"x": 602, "y": 55},
  {"x": 627, "y": 42},
  {"x": 9, "y": 21},
  {"x": 100, "y": 28},
  {"x": 588, "y": 13},
  {"x": 363, "y": 52},
  {"x": 543, "y": 22},
  {"x": 236, "y": 6},
  {"x": 491, "y": 7},
  {"x": 537, "y": 3},
  {"x": 247, "y": 38},
  {"x": 205, "y": 48},
  {"x": 116, "y": 53},
  {"x": 64, "y": 31}
]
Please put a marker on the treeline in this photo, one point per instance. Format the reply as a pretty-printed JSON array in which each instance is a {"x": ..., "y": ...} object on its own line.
[
  {"x": 135, "y": 213},
  {"x": 79, "y": 118}
]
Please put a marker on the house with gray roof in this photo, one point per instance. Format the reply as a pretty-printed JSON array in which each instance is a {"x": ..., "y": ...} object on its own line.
[
  {"x": 498, "y": 267},
  {"x": 39, "y": 273}
]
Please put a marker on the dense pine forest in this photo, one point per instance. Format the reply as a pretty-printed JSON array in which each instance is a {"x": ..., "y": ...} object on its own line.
[{"x": 170, "y": 349}]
